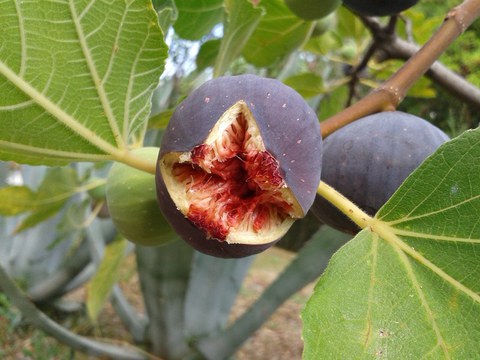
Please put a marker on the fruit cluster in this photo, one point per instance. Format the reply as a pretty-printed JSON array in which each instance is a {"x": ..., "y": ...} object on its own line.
[{"x": 242, "y": 158}]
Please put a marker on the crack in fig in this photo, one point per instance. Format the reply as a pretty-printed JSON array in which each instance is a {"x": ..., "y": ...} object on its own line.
[{"x": 231, "y": 183}]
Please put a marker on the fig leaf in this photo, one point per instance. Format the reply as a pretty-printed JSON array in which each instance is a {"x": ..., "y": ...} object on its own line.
[
  {"x": 278, "y": 33},
  {"x": 406, "y": 283},
  {"x": 76, "y": 80}
]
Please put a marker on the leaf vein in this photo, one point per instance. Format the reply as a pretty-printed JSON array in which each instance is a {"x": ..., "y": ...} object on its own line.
[
  {"x": 96, "y": 79},
  {"x": 418, "y": 288},
  {"x": 56, "y": 111},
  {"x": 415, "y": 234},
  {"x": 407, "y": 218}
]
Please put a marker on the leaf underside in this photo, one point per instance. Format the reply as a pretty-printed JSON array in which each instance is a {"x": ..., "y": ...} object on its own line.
[
  {"x": 408, "y": 287},
  {"x": 76, "y": 77}
]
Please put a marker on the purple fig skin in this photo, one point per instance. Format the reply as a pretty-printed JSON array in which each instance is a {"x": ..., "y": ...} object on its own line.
[
  {"x": 290, "y": 131},
  {"x": 370, "y": 158}
]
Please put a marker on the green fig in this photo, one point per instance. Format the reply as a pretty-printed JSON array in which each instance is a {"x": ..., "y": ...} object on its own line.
[{"x": 133, "y": 206}]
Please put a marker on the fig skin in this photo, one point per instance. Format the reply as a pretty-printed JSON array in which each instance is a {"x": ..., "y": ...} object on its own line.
[
  {"x": 379, "y": 7},
  {"x": 370, "y": 158},
  {"x": 290, "y": 131},
  {"x": 132, "y": 203}
]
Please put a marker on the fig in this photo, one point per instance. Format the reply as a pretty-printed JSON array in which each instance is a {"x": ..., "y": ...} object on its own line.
[
  {"x": 132, "y": 203},
  {"x": 239, "y": 161},
  {"x": 369, "y": 159},
  {"x": 379, "y": 7},
  {"x": 312, "y": 9}
]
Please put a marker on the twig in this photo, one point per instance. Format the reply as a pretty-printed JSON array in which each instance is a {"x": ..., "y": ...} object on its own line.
[
  {"x": 391, "y": 93},
  {"x": 440, "y": 74}
]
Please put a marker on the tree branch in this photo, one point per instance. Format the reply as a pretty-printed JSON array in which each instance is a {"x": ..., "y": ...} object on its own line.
[
  {"x": 391, "y": 93},
  {"x": 439, "y": 73}
]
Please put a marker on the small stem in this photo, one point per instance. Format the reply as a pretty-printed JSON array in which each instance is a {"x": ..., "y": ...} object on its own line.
[
  {"x": 391, "y": 93},
  {"x": 357, "y": 215},
  {"x": 357, "y": 69},
  {"x": 137, "y": 162}
]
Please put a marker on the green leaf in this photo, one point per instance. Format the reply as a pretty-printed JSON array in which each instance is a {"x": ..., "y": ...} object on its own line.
[
  {"x": 350, "y": 26},
  {"x": 160, "y": 120},
  {"x": 278, "y": 34},
  {"x": 324, "y": 44},
  {"x": 197, "y": 18},
  {"x": 242, "y": 19},
  {"x": 100, "y": 286},
  {"x": 76, "y": 78},
  {"x": 333, "y": 102},
  {"x": 306, "y": 84},
  {"x": 408, "y": 286},
  {"x": 59, "y": 185},
  {"x": 208, "y": 54},
  {"x": 15, "y": 200},
  {"x": 167, "y": 14}
]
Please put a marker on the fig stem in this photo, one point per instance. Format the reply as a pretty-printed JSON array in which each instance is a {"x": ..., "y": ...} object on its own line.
[
  {"x": 357, "y": 215},
  {"x": 389, "y": 95},
  {"x": 137, "y": 162}
]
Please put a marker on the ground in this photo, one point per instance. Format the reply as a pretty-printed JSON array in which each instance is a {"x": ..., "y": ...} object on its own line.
[{"x": 278, "y": 339}]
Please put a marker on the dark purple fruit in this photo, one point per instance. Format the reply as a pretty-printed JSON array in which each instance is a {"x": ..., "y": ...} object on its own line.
[
  {"x": 379, "y": 7},
  {"x": 239, "y": 162},
  {"x": 369, "y": 159}
]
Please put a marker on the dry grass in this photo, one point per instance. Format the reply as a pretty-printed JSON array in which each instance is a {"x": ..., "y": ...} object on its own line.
[{"x": 278, "y": 339}]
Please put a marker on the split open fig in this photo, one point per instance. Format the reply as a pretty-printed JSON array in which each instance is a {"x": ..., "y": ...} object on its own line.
[{"x": 239, "y": 161}]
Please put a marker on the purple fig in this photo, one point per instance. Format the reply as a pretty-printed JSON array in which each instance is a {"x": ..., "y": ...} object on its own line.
[
  {"x": 369, "y": 159},
  {"x": 239, "y": 161}
]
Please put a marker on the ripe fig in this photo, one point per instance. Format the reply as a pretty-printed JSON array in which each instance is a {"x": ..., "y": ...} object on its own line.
[
  {"x": 379, "y": 7},
  {"x": 239, "y": 162},
  {"x": 312, "y": 9},
  {"x": 132, "y": 202},
  {"x": 369, "y": 159}
]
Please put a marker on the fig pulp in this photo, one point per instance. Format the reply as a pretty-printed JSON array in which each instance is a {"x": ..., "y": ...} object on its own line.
[{"x": 227, "y": 177}]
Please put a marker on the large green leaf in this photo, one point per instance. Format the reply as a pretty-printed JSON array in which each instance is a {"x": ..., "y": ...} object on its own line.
[
  {"x": 242, "y": 19},
  {"x": 277, "y": 35},
  {"x": 408, "y": 287},
  {"x": 76, "y": 77},
  {"x": 196, "y": 18}
]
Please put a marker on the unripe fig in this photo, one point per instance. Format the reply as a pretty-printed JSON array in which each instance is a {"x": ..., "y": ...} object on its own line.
[
  {"x": 325, "y": 24},
  {"x": 239, "y": 162},
  {"x": 312, "y": 9},
  {"x": 132, "y": 202},
  {"x": 369, "y": 159},
  {"x": 379, "y": 7}
]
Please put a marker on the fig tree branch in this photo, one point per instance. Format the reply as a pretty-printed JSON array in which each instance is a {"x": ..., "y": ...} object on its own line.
[
  {"x": 391, "y": 93},
  {"x": 439, "y": 73}
]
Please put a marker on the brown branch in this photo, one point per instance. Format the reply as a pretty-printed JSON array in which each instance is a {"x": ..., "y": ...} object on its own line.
[
  {"x": 439, "y": 73},
  {"x": 387, "y": 96}
]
